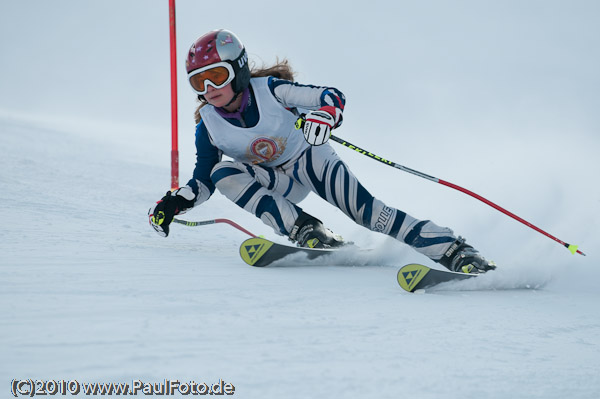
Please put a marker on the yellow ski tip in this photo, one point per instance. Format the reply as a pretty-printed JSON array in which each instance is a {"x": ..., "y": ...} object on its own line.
[
  {"x": 253, "y": 249},
  {"x": 410, "y": 275}
]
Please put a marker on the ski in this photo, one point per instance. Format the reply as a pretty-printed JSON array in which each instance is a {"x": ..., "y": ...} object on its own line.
[
  {"x": 261, "y": 252},
  {"x": 414, "y": 277}
]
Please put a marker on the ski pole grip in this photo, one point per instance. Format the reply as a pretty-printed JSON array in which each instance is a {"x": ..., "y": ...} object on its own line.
[{"x": 300, "y": 121}]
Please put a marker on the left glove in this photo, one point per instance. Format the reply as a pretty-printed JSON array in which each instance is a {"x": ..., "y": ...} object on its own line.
[
  {"x": 319, "y": 124},
  {"x": 173, "y": 203}
]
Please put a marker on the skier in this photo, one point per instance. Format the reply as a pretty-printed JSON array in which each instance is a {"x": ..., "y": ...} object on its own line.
[{"x": 250, "y": 117}]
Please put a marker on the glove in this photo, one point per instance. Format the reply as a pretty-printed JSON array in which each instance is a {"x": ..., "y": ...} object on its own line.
[
  {"x": 173, "y": 203},
  {"x": 318, "y": 124}
]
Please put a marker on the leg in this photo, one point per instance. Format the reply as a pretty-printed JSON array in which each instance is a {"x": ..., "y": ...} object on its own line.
[
  {"x": 269, "y": 195},
  {"x": 321, "y": 169}
]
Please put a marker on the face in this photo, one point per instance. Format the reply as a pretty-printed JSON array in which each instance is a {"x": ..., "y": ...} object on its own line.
[{"x": 219, "y": 97}]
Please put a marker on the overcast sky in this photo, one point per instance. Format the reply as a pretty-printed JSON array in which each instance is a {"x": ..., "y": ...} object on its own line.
[{"x": 419, "y": 64}]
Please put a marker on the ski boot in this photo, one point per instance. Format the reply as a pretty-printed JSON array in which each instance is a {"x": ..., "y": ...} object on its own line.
[
  {"x": 463, "y": 258},
  {"x": 309, "y": 232}
]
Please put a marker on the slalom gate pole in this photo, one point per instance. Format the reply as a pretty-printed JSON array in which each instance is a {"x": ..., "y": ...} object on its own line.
[
  {"x": 572, "y": 248},
  {"x": 213, "y": 221},
  {"x": 174, "y": 145}
]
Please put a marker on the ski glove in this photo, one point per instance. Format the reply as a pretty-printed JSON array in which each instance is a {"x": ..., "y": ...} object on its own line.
[
  {"x": 319, "y": 124},
  {"x": 173, "y": 203}
]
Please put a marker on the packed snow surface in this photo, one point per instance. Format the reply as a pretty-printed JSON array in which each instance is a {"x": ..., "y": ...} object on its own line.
[{"x": 90, "y": 293}]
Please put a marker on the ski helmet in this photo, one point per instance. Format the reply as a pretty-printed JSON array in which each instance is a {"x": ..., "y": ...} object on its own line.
[{"x": 220, "y": 46}]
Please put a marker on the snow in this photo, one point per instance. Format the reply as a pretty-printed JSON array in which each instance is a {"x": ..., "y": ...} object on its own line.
[{"x": 89, "y": 292}]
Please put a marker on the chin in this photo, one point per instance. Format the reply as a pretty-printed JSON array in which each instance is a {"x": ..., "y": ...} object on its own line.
[{"x": 220, "y": 101}]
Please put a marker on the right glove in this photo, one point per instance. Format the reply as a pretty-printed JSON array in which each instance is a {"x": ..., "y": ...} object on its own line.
[
  {"x": 173, "y": 203},
  {"x": 319, "y": 124}
]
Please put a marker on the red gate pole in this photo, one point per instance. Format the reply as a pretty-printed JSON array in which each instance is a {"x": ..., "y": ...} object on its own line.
[{"x": 174, "y": 145}]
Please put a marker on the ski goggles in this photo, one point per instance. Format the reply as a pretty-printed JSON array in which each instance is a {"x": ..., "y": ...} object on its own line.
[{"x": 217, "y": 75}]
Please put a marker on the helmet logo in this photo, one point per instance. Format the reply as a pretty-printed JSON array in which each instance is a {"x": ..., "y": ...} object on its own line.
[
  {"x": 243, "y": 59},
  {"x": 192, "y": 52},
  {"x": 228, "y": 40}
]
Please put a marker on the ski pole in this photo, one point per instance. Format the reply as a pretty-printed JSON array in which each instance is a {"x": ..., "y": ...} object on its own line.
[
  {"x": 572, "y": 248},
  {"x": 213, "y": 221}
]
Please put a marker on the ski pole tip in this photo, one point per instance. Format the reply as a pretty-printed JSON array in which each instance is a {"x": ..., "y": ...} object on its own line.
[{"x": 575, "y": 249}]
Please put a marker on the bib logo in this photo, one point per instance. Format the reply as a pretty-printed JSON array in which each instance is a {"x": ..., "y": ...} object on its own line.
[{"x": 265, "y": 149}]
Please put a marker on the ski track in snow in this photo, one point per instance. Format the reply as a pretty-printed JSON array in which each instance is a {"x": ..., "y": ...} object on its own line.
[{"x": 90, "y": 292}]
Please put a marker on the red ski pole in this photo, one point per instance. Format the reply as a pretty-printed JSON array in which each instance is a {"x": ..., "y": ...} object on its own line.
[
  {"x": 213, "y": 221},
  {"x": 572, "y": 248}
]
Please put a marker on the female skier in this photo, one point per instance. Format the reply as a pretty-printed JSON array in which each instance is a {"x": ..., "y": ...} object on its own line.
[{"x": 250, "y": 117}]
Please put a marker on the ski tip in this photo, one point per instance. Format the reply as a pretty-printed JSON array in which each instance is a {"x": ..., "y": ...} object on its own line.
[
  {"x": 253, "y": 249},
  {"x": 410, "y": 275}
]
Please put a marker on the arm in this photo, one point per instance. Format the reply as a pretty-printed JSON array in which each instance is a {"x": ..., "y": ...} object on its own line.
[
  {"x": 326, "y": 105},
  {"x": 198, "y": 189},
  {"x": 207, "y": 156},
  {"x": 296, "y": 95}
]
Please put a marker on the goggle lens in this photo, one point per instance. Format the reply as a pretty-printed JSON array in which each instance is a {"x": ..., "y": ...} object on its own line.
[{"x": 217, "y": 76}]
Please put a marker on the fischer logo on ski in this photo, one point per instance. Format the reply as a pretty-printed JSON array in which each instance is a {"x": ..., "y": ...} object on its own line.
[
  {"x": 410, "y": 275},
  {"x": 253, "y": 249}
]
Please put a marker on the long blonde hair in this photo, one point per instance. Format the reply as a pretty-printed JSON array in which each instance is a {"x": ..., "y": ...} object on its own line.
[{"x": 281, "y": 70}]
